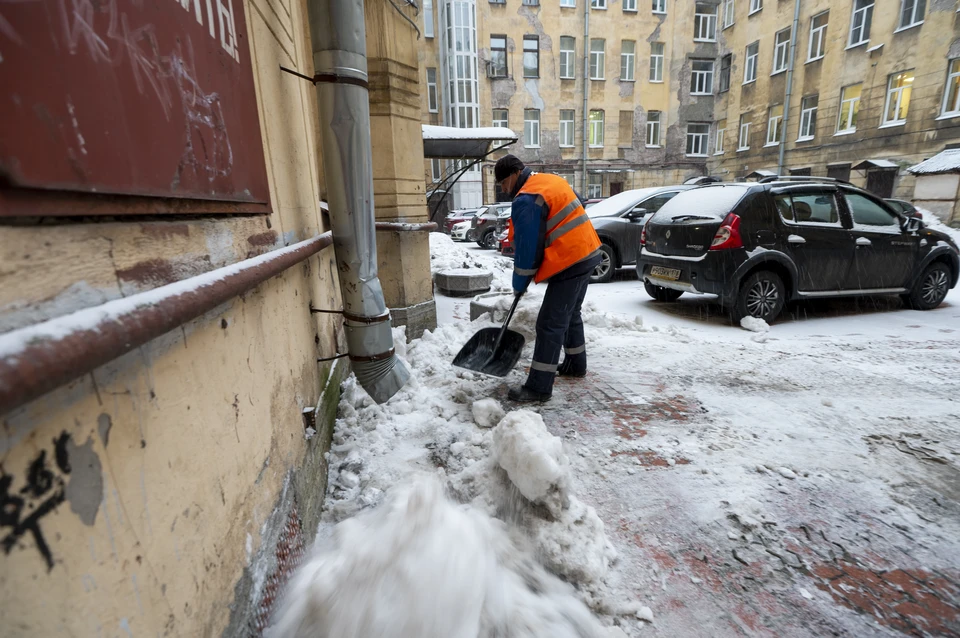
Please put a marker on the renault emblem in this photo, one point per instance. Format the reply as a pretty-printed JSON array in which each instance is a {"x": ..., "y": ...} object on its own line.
[{"x": 668, "y": 234}]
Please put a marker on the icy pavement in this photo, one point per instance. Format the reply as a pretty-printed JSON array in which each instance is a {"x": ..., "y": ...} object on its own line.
[{"x": 712, "y": 481}]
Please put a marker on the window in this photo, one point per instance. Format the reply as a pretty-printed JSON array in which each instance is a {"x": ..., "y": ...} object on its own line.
[
  {"x": 433, "y": 103},
  {"x": 743, "y": 143},
  {"x": 808, "y": 208},
  {"x": 911, "y": 13},
  {"x": 718, "y": 142},
  {"x": 860, "y": 23},
  {"x": 808, "y": 118},
  {"x": 656, "y": 62},
  {"x": 594, "y": 185},
  {"x": 596, "y": 128},
  {"x": 625, "y": 132},
  {"x": 705, "y": 23},
  {"x": 899, "y": 88},
  {"x": 435, "y": 170},
  {"x": 840, "y": 172},
  {"x": 818, "y": 36},
  {"x": 774, "y": 125},
  {"x": 849, "y": 108},
  {"x": 596, "y": 58},
  {"x": 728, "y": 9},
  {"x": 781, "y": 48},
  {"x": 750, "y": 67},
  {"x": 598, "y": 4},
  {"x": 755, "y": 5},
  {"x": 500, "y": 118},
  {"x": 653, "y": 129},
  {"x": 629, "y": 5},
  {"x": 725, "y": 62},
  {"x": 701, "y": 77},
  {"x": 568, "y": 45},
  {"x": 534, "y": 3},
  {"x": 627, "y": 60},
  {"x": 566, "y": 127},
  {"x": 569, "y": 177},
  {"x": 659, "y": 6},
  {"x": 428, "y": 18},
  {"x": 568, "y": 3},
  {"x": 867, "y": 212},
  {"x": 531, "y": 128},
  {"x": 951, "y": 93},
  {"x": 498, "y": 56},
  {"x": 697, "y": 136},
  {"x": 531, "y": 56}
]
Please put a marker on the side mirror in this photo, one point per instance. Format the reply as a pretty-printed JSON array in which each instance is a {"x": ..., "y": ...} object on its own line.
[
  {"x": 913, "y": 224},
  {"x": 636, "y": 213}
]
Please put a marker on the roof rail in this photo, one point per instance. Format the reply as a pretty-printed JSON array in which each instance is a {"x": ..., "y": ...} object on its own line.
[{"x": 798, "y": 178}]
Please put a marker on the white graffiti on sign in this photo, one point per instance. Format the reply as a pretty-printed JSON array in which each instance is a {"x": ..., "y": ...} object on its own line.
[{"x": 220, "y": 22}]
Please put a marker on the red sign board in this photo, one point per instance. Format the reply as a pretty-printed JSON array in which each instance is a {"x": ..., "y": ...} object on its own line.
[{"x": 113, "y": 106}]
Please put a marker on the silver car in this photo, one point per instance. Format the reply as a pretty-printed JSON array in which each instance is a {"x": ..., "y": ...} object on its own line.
[{"x": 619, "y": 222}]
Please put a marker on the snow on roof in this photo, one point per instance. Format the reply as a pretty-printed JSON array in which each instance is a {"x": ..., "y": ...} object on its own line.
[
  {"x": 762, "y": 173},
  {"x": 431, "y": 132},
  {"x": 875, "y": 163},
  {"x": 947, "y": 161}
]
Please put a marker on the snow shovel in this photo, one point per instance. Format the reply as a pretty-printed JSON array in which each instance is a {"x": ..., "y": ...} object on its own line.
[{"x": 493, "y": 351}]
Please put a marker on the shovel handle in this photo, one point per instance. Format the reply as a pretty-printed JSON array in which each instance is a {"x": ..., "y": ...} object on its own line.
[{"x": 506, "y": 322}]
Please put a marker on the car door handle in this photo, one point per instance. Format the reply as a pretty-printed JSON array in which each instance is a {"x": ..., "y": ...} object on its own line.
[
  {"x": 796, "y": 239},
  {"x": 863, "y": 241}
]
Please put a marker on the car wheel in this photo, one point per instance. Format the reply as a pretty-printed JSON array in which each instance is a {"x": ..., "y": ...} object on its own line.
[
  {"x": 604, "y": 270},
  {"x": 762, "y": 295},
  {"x": 487, "y": 240},
  {"x": 931, "y": 288},
  {"x": 659, "y": 293}
]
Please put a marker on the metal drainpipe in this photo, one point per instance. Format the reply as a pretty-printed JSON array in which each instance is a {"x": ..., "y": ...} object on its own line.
[
  {"x": 586, "y": 88},
  {"x": 789, "y": 90},
  {"x": 340, "y": 62}
]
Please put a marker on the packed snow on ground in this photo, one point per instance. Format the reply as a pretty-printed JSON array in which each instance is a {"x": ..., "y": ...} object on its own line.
[
  {"x": 753, "y": 324},
  {"x": 487, "y": 412}
]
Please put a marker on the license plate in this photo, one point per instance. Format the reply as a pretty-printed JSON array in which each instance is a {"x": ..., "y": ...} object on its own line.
[{"x": 665, "y": 273}]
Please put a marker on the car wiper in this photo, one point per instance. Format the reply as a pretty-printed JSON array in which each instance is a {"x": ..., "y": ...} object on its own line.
[{"x": 686, "y": 217}]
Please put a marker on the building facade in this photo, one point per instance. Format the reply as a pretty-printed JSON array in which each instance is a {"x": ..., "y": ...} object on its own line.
[{"x": 662, "y": 90}]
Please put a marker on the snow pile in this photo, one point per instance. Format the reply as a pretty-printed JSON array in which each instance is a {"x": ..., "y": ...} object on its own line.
[
  {"x": 532, "y": 458},
  {"x": 420, "y": 566},
  {"x": 931, "y": 221},
  {"x": 447, "y": 255},
  {"x": 487, "y": 412},
  {"x": 754, "y": 324}
]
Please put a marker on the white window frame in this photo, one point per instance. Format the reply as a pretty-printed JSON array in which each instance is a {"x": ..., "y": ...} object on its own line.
[
  {"x": 598, "y": 59},
  {"x": 750, "y": 63},
  {"x": 568, "y": 58},
  {"x": 781, "y": 51},
  {"x": 594, "y": 191},
  {"x": 849, "y": 105},
  {"x": 436, "y": 170},
  {"x": 598, "y": 4},
  {"x": 774, "y": 123},
  {"x": 628, "y": 61},
  {"x": 428, "y": 26},
  {"x": 820, "y": 35},
  {"x": 700, "y": 140},
  {"x": 630, "y": 5},
  {"x": 808, "y": 118},
  {"x": 433, "y": 93},
  {"x": 718, "y": 137},
  {"x": 568, "y": 128},
  {"x": 505, "y": 122},
  {"x": 729, "y": 13},
  {"x": 656, "y": 62},
  {"x": 755, "y": 6},
  {"x": 862, "y": 11},
  {"x": 659, "y": 6},
  {"x": 953, "y": 72},
  {"x": 596, "y": 136},
  {"x": 654, "y": 125},
  {"x": 701, "y": 80},
  {"x": 914, "y": 12},
  {"x": 743, "y": 141},
  {"x": 705, "y": 24},
  {"x": 897, "y": 94},
  {"x": 531, "y": 128},
  {"x": 568, "y": 4}
]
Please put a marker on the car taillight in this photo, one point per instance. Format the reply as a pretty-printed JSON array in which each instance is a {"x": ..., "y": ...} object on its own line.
[
  {"x": 643, "y": 237},
  {"x": 728, "y": 235}
]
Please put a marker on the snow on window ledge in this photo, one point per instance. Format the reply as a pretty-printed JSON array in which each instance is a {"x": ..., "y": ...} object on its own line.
[{"x": 893, "y": 124}]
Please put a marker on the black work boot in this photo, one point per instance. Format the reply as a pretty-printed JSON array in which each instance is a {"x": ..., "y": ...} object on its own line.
[
  {"x": 523, "y": 394},
  {"x": 568, "y": 369}
]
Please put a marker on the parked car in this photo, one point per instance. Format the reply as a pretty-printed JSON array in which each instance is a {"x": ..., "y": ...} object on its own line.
[
  {"x": 758, "y": 245},
  {"x": 504, "y": 245},
  {"x": 484, "y": 230},
  {"x": 619, "y": 220},
  {"x": 905, "y": 207},
  {"x": 457, "y": 216},
  {"x": 591, "y": 202},
  {"x": 460, "y": 231}
]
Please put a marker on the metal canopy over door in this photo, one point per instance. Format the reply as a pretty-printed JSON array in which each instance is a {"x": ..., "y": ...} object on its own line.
[{"x": 151, "y": 104}]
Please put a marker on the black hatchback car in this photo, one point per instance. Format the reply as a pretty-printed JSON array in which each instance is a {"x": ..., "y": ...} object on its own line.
[{"x": 759, "y": 245}]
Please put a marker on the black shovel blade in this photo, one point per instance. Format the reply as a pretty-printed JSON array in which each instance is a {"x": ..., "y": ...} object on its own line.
[{"x": 478, "y": 355}]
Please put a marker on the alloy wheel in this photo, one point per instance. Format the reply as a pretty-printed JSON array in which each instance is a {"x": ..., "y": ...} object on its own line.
[
  {"x": 934, "y": 286},
  {"x": 762, "y": 298},
  {"x": 603, "y": 267}
]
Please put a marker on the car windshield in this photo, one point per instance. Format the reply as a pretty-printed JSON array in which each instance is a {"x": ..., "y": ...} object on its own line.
[
  {"x": 619, "y": 202},
  {"x": 709, "y": 202}
]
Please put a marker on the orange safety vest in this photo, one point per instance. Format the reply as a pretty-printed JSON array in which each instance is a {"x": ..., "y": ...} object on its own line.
[{"x": 570, "y": 235}]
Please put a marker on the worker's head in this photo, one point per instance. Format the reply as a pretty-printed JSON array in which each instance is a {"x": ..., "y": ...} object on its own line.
[{"x": 507, "y": 172}]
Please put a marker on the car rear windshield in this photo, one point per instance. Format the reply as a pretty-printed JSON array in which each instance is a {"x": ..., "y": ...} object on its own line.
[{"x": 709, "y": 202}]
